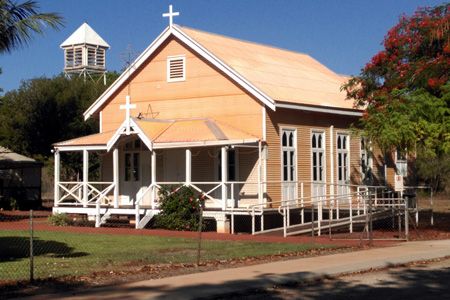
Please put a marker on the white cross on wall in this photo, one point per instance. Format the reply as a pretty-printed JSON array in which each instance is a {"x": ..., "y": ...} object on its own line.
[
  {"x": 128, "y": 106},
  {"x": 171, "y": 14}
]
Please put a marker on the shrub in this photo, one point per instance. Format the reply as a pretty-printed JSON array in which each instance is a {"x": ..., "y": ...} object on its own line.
[
  {"x": 57, "y": 219},
  {"x": 179, "y": 209}
]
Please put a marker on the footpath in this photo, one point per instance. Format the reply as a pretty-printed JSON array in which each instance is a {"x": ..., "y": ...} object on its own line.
[{"x": 221, "y": 282}]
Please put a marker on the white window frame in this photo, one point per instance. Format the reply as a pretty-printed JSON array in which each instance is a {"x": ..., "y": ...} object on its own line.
[
  {"x": 289, "y": 148},
  {"x": 169, "y": 60},
  {"x": 318, "y": 150},
  {"x": 401, "y": 164},
  {"x": 366, "y": 153},
  {"x": 341, "y": 150}
]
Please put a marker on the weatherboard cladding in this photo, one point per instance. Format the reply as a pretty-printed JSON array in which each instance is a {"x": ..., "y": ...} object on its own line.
[{"x": 206, "y": 93}]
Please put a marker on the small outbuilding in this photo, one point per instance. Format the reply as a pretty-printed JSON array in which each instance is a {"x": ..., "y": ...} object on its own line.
[{"x": 20, "y": 181}]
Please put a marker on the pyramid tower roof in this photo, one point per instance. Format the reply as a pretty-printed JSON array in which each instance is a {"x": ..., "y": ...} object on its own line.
[{"x": 85, "y": 35}]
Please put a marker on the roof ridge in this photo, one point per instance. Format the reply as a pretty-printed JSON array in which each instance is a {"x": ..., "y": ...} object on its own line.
[{"x": 244, "y": 41}]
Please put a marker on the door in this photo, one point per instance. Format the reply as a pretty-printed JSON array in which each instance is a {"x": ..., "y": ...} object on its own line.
[
  {"x": 342, "y": 161},
  {"x": 175, "y": 165},
  {"x": 289, "y": 164},
  {"x": 131, "y": 172}
]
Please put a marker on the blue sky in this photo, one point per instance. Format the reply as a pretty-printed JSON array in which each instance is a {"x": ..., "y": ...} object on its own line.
[{"x": 342, "y": 35}]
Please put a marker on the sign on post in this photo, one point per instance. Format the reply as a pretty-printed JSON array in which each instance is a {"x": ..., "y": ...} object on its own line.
[{"x": 398, "y": 183}]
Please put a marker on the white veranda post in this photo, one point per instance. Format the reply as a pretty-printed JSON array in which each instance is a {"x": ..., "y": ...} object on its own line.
[
  {"x": 127, "y": 107},
  {"x": 85, "y": 177},
  {"x": 116, "y": 177},
  {"x": 224, "y": 176},
  {"x": 188, "y": 167},
  {"x": 57, "y": 177}
]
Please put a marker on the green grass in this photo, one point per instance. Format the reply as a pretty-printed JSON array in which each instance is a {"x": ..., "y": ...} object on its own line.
[{"x": 77, "y": 254}]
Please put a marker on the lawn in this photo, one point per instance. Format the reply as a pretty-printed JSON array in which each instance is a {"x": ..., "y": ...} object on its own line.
[{"x": 78, "y": 254}]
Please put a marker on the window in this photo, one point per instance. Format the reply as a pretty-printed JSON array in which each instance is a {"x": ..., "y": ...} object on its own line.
[
  {"x": 366, "y": 162},
  {"x": 342, "y": 146},
  {"x": 231, "y": 165},
  {"x": 318, "y": 156},
  {"x": 132, "y": 160},
  {"x": 288, "y": 149},
  {"x": 176, "y": 68},
  {"x": 401, "y": 163}
]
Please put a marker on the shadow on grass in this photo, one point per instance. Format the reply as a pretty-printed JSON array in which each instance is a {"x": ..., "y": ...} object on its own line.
[
  {"x": 412, "y": 283},
  {"x": 14, "y": 248}
]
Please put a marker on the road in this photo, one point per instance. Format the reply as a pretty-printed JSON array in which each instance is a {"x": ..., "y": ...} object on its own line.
[{"x": 426, "y": 280}]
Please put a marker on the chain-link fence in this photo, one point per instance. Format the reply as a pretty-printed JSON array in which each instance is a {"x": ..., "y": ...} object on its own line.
[
  {"x": 41, "y": 245},
  {"x": 37, "y": 245}
]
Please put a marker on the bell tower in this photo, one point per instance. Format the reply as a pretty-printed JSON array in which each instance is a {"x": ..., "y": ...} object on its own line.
[{"x": 84, "y": 53}]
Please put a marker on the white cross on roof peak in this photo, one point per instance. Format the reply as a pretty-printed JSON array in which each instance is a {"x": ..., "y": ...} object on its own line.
[
  {"x": 127, "y": 107},
  {"x": 171, "y": 14}
]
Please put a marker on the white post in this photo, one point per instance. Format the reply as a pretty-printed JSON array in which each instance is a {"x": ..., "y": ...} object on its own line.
[
  {"x": 265, "y": 158},
  {"x": 116, "y": 177},
  {"x": 332, "y": 160},
  {"x": 85, "y": 177},
  {"x": 57, "y": 177},
  {"x": 224, "y": 173},
  {"x": 188, "y": 167},
  {"x": 153, "y": 179},
  {"x": 259, "y": 174}
]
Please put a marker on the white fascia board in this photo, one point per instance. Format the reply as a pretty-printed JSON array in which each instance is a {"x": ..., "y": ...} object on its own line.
[
  {"x": 335, "y": 111},
  {"x": 204, "y": 143},
  {"x": 196, "y": 47},
  {"x": 127, "y": 73},
  {"x": 81, "y": 148},
  {"x": 112, "y": 141},
  {"x": 136, "y": 131},
  {"x": 263, "y": 97}
]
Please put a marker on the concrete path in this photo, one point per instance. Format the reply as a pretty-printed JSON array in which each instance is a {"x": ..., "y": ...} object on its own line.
[{"x": 209, "y": 284}]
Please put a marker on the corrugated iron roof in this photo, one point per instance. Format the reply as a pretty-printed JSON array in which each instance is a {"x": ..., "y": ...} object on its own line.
[
  {"x": 9, "y": 158},
  {"x": 98, "y": 139},
  {"x": 171, "y": 131},
  {"x": 282, "y": 74},
  {"x": 84, "y": 35}
]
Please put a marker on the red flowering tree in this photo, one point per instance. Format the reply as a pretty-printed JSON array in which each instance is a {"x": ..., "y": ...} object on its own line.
[{"x": 405, "y": 87}]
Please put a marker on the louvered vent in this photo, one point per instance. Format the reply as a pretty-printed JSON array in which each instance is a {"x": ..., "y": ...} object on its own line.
[{"x": 176, "y": 69}]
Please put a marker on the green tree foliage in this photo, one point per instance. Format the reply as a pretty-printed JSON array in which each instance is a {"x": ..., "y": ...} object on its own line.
[
  {"x": 179, "y": 209},
  {"x": 18, "y": 23},
  {"x": 43, "y": 111},
  {"x": 405, "y": 88}
]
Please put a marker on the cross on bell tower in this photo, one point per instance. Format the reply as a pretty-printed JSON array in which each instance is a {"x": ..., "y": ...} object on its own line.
[{"x": 171, "y": 14}]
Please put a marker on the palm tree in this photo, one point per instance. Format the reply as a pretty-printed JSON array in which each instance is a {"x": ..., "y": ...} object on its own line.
[{"x": 18, "y": 23}]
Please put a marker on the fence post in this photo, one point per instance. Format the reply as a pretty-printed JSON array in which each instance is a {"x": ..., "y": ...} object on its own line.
[
  {"x": 431, "y": 202},
  {"x": 200, "y": 225},
  {"x": 370, "y": 223},
  {"x": 31, "y": 247},
  {"x": 312, "y": 225},
  {"x": 406, "y": 220}
]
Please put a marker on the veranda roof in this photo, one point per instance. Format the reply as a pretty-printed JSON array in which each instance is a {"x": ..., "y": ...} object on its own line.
[{"x": 167, "y": 134}]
